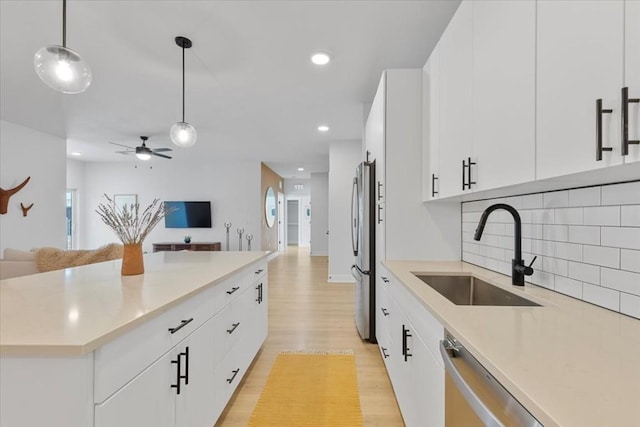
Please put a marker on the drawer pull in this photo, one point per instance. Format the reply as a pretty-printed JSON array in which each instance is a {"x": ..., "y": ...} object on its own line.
[
  {"x": 384, "y": 352},
  {"x": 182, "y": 325},
  {"x": 384, "y": 311},
  {"x": 235, "y": 288},
  {"x": 384, "y": 279},
  {"x": 233, "y": 377},
  {"x": 405, "y": 348},
  {"x": 235, "y": 325},
  {"x": 259, "y": 289},
  {"x": 259, "y": 271}
]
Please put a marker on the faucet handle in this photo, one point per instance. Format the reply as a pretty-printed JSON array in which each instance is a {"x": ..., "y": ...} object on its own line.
[
  {"x": 532, "y": 261},
  {"x": 528, "y": 271}
]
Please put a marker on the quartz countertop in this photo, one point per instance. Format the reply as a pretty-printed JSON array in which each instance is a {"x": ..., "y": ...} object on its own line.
[
  {"x": 72, "y": 312},
  {"x": 570, "y": 363}
]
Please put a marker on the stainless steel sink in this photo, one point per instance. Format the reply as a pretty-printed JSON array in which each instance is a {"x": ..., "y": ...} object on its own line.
[{"x": 468, "y": 290}]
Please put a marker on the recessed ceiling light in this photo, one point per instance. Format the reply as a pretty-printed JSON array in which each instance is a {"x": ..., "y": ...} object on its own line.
[
  {"x": 320, "y": 58},
  {"x": 323, "y": 128},
  {"x": 75, "y": 153},
  {"x": 300, "y": 169}
]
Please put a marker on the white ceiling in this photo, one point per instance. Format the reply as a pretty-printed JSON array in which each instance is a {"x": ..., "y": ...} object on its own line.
[{"x": 251, "y": 90}]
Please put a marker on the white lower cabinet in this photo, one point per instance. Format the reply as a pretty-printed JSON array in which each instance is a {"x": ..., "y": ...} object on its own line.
[{"x": 407, "y": 336}]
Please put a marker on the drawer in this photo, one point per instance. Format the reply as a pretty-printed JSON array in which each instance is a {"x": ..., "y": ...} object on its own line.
[
  {"x": 230, "y": 373},
  {"x": 255, "y": 272},
  {"x": 118, "y": 361},
  {"x": 228, "y": 291}
]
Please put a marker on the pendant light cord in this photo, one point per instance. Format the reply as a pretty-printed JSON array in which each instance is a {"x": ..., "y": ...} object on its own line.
[
  {"x": 64, "y": 23},
  {"x": 183, "y": 84}
]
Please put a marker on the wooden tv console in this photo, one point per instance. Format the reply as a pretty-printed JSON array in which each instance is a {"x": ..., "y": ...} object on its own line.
[{"x": 181, "y": 246}]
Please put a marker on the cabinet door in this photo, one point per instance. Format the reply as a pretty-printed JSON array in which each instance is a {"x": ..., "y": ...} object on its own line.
[
  {"x": 504, "y": 92},
  {"x": 579, "y": 60},
  {"x": 426, "y": 379},
  {"x": 455, "y": 100},
  {"x": 195, "y": 406},
  {"x": 431, "y": 129},
  {"x": 375, "y": 136},
  {"x": 632, "y": 73},
  {"x": 147, "y": 401}
]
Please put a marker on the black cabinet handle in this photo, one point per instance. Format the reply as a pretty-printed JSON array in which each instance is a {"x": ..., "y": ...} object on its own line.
[
  {"x": 259, "y": 271},
  {"x": 469, "y": 182},
  {"x": 464, "y": 179},
  {"x": 234, "y": 326},
  {"x": 379, "y": 214},
  {"x": 233, "y": 377},
  {"x": 599, "y": 112},
  {"x": 405, "y": 349},
  {"x": 384, "y": 311},
  {"x": 380, "y": 192},
  {"x": 384, "y": 279},
  {"x": 186, "y": 365},
  {"x": 233, "y": 290},
  {"x": 178, "y": 377},
  {"x": 466, "y": 183},
  {"x": 625, "y": 120},
  {"x": 384, "y": 352},
  {"x": 433, "y": 184},
  {"x": 183, "y": 323}
]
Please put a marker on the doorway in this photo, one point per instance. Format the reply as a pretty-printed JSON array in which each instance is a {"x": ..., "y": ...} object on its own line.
[
  {"x": 281, "y": 222},
  {"x": 71, "y": 217},
  {"x": 292, "y": 223}
]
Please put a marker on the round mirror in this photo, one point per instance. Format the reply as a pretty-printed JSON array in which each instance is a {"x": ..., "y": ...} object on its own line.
[{"x": 270, "y": 207}]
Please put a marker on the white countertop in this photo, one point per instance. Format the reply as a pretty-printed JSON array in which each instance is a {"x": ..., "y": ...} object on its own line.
[
  {"x": 74, "y": 311},
  {"x": 570, "y": 363}
]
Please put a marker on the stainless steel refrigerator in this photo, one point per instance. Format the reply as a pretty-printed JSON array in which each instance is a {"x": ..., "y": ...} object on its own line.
[{"x": 363, "y": 241}]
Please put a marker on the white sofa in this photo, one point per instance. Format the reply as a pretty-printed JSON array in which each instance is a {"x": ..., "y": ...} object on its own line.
[{"x": 15, "y": 263}]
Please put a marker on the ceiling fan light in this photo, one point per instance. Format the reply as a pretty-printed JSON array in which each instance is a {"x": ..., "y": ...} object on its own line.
[
  {"x": 183, "y": 134},
  {"x": 62, "y": 69},
  {"x": 143, "y": 156}
]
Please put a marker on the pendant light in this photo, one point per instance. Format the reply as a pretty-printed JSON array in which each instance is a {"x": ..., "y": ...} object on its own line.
[
  {"x": 182, "y": 133},
  {"x": 61, "y": 68}
]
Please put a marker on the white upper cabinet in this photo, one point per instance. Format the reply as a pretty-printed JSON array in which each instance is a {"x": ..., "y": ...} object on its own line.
[
  {"x": 431, "y": 125},
  {"x": 375, "y": 130},
  {"x": 632, "y": 75},
  {"x": 579, "y": 60},
  {"x": 455, "y": 100},
  {"x": 503, "y": 87}
]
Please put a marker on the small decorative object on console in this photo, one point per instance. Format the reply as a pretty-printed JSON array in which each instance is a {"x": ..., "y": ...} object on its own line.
[
  {"x": 131, "y": 227},
  {"x": 187, "y": 239}
]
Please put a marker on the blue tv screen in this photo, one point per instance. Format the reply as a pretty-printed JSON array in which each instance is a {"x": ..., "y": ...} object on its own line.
[{"x": 188, "y": 215}]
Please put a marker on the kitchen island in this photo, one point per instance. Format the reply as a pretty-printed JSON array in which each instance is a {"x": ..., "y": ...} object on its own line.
[
  {"x": 86, "y": 346},
  {"x": 568, "y": 362}
]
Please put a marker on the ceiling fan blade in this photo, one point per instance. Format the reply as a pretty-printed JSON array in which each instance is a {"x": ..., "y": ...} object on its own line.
[
  {"x": 125, "y": 152},
  {"x": 121, "y": 145},
  {"x": 160, "y": 150},
  {"x": 161, "y": 155}
]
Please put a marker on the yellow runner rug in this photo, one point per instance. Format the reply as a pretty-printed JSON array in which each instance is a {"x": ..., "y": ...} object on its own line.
[{"x": 305, "y": 390}]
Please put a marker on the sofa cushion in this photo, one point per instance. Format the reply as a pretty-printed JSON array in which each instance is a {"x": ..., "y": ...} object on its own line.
[{"x": 18, "y": 255}]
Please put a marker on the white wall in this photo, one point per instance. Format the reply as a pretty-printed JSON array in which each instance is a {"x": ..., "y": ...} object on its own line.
[
  {"x": 319, "y": 214},
  {"x": 75, "y": 181},
  {"x": 344, "y": 157},
  {"x": 232, "y": 187},
  {"x": 289, "y": 187},
  {"x": 26, "y": 152}
]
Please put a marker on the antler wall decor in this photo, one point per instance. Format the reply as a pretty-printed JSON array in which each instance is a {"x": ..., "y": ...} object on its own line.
[
  {"x": 5, "y": 195},
  {"x": 25, "y": 209}
]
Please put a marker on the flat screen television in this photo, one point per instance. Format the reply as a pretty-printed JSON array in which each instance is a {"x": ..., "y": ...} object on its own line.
[{"x": 188, "y": 215}]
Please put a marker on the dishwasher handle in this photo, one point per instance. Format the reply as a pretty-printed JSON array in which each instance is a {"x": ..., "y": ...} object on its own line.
[{"x": 482, "y": 411}]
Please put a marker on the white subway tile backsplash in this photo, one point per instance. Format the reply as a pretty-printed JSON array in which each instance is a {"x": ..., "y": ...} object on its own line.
[
  {"x": 569, "y": 287},
  {"x": 630, "y": 260},
  {"x": 621, "y": 194},
  {"x": 584, "y": 272},
  {"x": 556, "y": 233},
  {"x": 621, "y": 237},
  {"x": 604, "y": 297},
  {"x": 587, "y": 234},
  {"x": 587, "y": 241},
  {"x": 603, "y": 215},
  {"x": 599, "y": 255},
  {"x": 573, "y": 216},
  {"x": 624, "y": 281},
  {"x": 630, "y": 305},
  {"x": 556, "y": 199},
  {"x": 532, "y": 201},
  {"x": 569, "y": 251},
  {"x": 630, "y": 216},
  {"x": 585, "y": 197}
]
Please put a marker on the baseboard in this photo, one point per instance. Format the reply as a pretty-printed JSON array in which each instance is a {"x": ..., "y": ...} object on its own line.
[
  {"x": 341, "y": 278},
  {"x": 316, "y": 253}
]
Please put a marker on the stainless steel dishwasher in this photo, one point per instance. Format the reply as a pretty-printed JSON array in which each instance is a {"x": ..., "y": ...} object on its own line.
[{"x": 473, "y": 397}]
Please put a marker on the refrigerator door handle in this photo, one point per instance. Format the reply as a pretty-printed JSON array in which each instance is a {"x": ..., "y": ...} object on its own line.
[
  {"x": 361, "y": 271},
  {"x": 355, "y": 209}
]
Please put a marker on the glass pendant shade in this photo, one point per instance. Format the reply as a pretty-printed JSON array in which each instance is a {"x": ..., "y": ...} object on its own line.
[
  {"x": 62, "y": 69},
  {"x": 183, "y": 134}
]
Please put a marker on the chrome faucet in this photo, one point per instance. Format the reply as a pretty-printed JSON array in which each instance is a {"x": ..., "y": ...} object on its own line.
[{"x": 518, "y": 269}]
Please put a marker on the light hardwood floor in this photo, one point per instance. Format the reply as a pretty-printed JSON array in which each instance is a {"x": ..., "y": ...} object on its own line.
[{"x": 306, "y": 312}]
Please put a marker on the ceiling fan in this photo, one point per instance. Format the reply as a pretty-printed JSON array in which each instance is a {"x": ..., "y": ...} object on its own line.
[{"x": 142, "y": 151}]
